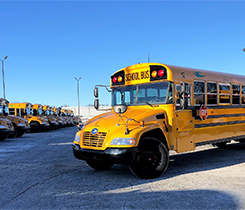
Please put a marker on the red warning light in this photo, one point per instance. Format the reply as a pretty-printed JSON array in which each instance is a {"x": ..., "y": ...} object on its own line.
[
  {"x": 160, "y": 73},
  {"x": 114, "y": 80}
]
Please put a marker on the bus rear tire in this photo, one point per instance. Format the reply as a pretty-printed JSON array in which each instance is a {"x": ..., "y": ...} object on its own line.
[
  {"x": 242, "y": 141},
  {"x": 100, "y": 164},
  {"x": 151, "y": 160},
  {"x": 220, "y": 144}
]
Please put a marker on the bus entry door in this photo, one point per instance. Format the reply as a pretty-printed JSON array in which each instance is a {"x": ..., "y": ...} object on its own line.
[{"x": 184, "y": 131}]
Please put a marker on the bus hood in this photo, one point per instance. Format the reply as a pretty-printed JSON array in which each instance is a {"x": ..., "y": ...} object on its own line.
[{"x": 112, "y": 122}]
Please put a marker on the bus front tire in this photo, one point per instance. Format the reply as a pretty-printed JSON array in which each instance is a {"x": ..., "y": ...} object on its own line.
[
  {"x": 151, "y": 160},
  {"x": 100, "y": 164},
  {"x": 14, "y": 134},
  {"x": 35, "y": 127},
  {"x": 20, "y": 133}
]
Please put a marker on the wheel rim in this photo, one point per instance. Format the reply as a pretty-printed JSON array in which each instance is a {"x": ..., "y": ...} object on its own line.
[{"x": 149, "y": 160}]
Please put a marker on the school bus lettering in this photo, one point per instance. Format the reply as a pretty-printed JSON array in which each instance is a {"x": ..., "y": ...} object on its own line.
[
  {"x": 133, "y": 76},
  {"x": 145, "y": 74},
  {"x": 137, "y": 76},
  {"x": 157, "y": 108}
]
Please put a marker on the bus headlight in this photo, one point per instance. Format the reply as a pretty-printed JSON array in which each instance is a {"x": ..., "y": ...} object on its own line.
[
  {"x": 21, "y": 124},
  {"x": 77, "y": 138},
  {"x": 123, "y": 141}
]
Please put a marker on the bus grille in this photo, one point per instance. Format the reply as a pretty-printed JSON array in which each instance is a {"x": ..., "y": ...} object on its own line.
[{"x": 94, "y": 140}]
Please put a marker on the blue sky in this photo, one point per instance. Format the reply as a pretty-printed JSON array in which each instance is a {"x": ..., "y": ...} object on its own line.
[{"x": 50, "y": 43}]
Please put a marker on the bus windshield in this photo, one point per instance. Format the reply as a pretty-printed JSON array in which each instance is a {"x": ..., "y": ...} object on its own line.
[{"x": 154, "y": 93}]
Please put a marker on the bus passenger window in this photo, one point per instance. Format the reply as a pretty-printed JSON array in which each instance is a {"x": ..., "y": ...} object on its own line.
[
  {"x": 224, "y": 93},
  {"x": 235, "y": 94},
  {"x": 243, "y": 94},
  {"x": 177, "y": 89},
  {"x": 199, "y": 93},
  {"x": 211, "y": 93},
  {"x": 11, "y": 111}
]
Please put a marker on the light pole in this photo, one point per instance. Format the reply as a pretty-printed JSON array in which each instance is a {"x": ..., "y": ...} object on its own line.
[
  {"x": 78, "y": 95},
  {"x": 3, "y": 74}
]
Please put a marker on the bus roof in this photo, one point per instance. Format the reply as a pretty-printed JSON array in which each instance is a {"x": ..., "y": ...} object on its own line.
[
  {"x": 198, "y": 74},
  {"x": 179, "y": 73},
  {"x": 20, "y": 105}
]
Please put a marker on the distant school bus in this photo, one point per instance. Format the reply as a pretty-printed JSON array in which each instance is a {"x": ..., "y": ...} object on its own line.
[
  {"x": 55, "y": 111},
  {"x": 157, "y": 108},
  {"x": 25, "y": 110},
  {"x": 6, "y": 126},
  {"x": 20, "y": 125},
  {"x": 44, "y": 111}
]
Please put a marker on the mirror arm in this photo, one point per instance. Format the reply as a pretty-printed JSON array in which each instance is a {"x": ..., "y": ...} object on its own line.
[{"x": 105, "y": 86}]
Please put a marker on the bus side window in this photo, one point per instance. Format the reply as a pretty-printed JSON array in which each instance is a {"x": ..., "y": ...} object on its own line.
[
  {"x": 212, "y": 93},
  {"x": 235, "y": 94},
  {"x": 11, "y": 111},
  {"x": 243, "y": 94},
  {"x": 22, "y": 112},
  {"x": 177, "y": 89},
  {"x": 224, "y": 93},
  {"x": 177, "y": 100},
  {"x": 199, "y": 92},
  {"x": 18, "y": 112}
]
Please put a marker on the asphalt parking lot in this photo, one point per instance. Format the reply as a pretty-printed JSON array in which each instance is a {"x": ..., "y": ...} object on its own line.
[{"x": 38, "y": 171}]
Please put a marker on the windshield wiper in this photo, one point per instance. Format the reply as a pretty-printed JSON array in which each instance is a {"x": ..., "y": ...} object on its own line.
[{"x": 145, "y": 102}]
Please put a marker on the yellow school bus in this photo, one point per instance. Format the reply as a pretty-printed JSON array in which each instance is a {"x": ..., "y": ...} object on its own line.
[
  {"x": 48, "y": 112},
  {"x": 157, "y": 108},
  {"x": 25, "y": 110},
  {"x": 72, "y": 117},
  {"x": 44, "y": 111},
  {"x": 6, "y": 126},
  {"x": 56, "y": 111},
  {"x": 20, "y": 124}
]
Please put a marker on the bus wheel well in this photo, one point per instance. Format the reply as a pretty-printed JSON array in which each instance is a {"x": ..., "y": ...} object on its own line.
[{"x": 157, "y": 134}]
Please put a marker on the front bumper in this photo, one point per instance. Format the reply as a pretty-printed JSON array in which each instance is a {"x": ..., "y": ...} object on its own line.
[
  {"x": 117, "y": 155},
  {"x": 5, "y": 130}
]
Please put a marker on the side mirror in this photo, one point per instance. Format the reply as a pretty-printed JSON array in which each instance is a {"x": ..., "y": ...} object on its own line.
[
  {"x": 80, "y": 126},
  {"x": 96, "y": 103},
  {"x": 183, "y": 95},
  {"x": 120, "y": 109},
  {"x": 96, "y": 92}
]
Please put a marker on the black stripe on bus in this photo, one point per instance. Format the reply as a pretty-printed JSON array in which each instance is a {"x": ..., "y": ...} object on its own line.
[
  {"x": 225, "y": 115},
  {"x": 218, "y": 124},
  {"x": 221, "y": 116},
  {"x": 220, "y": 140}
]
